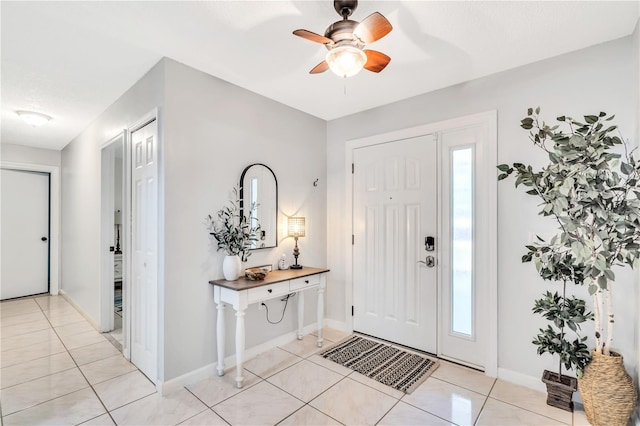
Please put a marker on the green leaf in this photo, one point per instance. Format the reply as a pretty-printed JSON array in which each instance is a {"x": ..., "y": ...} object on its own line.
[
  {"x": 626, "y": 168},
  {"x": 526, "y": 123}
]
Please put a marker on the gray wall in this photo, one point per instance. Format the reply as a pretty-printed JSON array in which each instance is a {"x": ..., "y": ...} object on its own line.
[
  {"x": 81, "y": 189},
  {"x": 212, "y": 131},
  {"x": 29, "y": 155},
  {"x": 595, "y": 79}
]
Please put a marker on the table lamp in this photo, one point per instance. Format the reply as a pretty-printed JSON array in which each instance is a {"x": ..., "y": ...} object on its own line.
[{"x": 296, "y": 229}]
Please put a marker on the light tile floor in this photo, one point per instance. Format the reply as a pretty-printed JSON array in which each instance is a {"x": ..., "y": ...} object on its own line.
[{"x": 55, "y": 369}]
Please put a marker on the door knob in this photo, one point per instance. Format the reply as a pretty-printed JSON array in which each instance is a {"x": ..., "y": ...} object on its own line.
[
  {"x": 43, "y": 239},
  {"x": 429, "y": 262}
]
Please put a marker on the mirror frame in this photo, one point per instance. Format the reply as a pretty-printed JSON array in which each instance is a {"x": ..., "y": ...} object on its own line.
[{"x": 275, "y": 179}]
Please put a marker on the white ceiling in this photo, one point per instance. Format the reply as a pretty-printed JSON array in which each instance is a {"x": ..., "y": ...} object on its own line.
[{"x": 71, "y": 60}]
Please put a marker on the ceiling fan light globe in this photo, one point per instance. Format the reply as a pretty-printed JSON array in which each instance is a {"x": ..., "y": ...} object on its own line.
[{"x": 346, "y": 61}]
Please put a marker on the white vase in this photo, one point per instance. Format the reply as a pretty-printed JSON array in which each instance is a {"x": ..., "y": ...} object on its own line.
[{"x": 231, "y": 267}]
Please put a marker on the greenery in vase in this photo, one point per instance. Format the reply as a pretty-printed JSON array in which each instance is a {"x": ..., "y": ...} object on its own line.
[
  {"x": 234, "y": 232},
  {"x": 594, "y": 194},
  {"x": 560, "y": 310}
]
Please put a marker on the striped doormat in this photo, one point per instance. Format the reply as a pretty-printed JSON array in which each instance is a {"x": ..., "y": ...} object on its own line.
[{"x": 388, "y": 365}]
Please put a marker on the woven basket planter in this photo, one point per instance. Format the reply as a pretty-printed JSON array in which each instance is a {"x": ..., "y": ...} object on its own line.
[
  {"x": 608, "y": 393},
  {"x": 560, "y": 392}
]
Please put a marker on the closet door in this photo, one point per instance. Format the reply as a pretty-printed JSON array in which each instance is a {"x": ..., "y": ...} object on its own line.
[
  {"x": 25, "y": 233},
  {"x": 144, "y": 243}
]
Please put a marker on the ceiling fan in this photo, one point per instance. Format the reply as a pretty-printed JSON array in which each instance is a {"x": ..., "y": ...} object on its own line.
[{"x": 346, "y": 39}]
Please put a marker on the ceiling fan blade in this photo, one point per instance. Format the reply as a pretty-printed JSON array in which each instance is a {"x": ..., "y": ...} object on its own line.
[
  {"x": 321, "y": 67},
  {"x": 376, "y": 61},
  {"x": 313, "y": 36},
  {"x": 372, "y": 28}
]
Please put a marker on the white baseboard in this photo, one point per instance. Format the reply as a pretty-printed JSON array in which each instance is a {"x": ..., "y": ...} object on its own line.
[
  {"x": 210, "y": 370},
  {"x": 522, "y": 379},
  {"x": 338, "y": 325},
  {"x": 86, "y": 316},
  {"x": 530, "y": 382}
]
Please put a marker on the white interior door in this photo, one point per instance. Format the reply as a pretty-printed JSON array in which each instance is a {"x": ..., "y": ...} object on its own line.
[
  {"x": 25, "y": 233},
  {"x": 144, "y": 244},
  {"x": 394, "y": 211}
]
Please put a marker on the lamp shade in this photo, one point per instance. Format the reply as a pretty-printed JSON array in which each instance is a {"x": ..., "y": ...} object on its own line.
[
  {"x": 346, "y": 61},
  {"x": 296, "y": 226},
  {"x": 117, "y": 219}
]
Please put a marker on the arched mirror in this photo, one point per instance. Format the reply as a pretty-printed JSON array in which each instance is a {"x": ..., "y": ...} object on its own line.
[{"x": 259, "y": 200}]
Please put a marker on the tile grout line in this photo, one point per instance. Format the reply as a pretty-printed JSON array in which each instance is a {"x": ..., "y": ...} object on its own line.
[
  {"x": 70, "y": 356},
  {"x": 522, "y": 408},
  {"x": 207, "y": 405},
  {"x": 80, "y": 370},
  {"x": 533, "y": 412},
  {"x": 484, "y": 403}
]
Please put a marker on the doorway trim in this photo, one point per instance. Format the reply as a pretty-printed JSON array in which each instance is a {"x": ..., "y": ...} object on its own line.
[
  {"x": 107, "y": 193},
  {"x": 54, "y": 211},
  {"x": 488, "y": 118}
]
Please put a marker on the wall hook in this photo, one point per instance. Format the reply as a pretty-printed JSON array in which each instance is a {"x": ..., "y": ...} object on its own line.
[{"x": 315, "y": 182}]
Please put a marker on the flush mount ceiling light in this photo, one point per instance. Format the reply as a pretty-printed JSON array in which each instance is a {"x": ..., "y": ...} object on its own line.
[
  {"x": 34, "y": 119},
  {"x": 346, "y": 39}
]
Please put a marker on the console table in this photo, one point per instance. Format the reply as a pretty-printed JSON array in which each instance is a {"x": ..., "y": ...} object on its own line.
[{"x": 244, "y": 292}]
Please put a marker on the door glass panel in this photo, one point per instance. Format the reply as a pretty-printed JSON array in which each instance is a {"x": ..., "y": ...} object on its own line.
[{"x": 462, "y": 241}]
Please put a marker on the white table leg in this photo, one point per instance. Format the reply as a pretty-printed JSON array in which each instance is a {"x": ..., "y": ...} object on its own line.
[
  {"x": 320, "y": 312},
  {"x": 220, "y": 338},
  {"x": 300, "y": 314},
  {"x": 239, "y": 347}
]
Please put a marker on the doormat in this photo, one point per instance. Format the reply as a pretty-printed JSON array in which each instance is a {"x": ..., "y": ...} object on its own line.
[{"x": 388, "y": 365}]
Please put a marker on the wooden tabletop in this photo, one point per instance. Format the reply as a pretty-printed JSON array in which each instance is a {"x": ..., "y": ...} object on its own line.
[{"x": 273, "y": 277}]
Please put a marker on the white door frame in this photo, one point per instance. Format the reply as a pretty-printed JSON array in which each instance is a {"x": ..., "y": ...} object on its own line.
[
  {"x": 488, "y": 118},
  {"x": 127, "y": 228},
  {"x": 54, "y": 211},
  {"x": 107, "y": 207}
]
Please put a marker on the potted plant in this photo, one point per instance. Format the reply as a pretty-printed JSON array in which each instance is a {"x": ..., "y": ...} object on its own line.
[
  {"x": 235, "y": 235},
  {"x": 594, "y": 193},
  {"x": 557, "y": 264}
]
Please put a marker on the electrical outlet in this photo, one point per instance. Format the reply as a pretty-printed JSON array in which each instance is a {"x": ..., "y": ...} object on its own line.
[{"x": 261, "y": 306}]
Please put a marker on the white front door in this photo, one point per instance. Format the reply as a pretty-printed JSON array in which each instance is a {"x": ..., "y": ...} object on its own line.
[
  {"x": 394, "y": 211},
  {"x": 25, "y": 233},
  {"x": 144, "y": 245}
]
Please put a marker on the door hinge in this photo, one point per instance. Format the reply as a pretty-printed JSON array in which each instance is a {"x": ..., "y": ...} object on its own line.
[
  {"x": 352, "y": 310},
  {"x": 353, "y": 168},
  {"x": 353, "y": 240}
]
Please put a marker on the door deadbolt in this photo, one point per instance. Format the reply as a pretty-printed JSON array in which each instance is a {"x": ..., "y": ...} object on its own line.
[{"x": 429, "y": 244}]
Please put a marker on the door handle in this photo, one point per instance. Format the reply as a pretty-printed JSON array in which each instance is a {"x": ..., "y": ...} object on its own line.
[
  {"x": 429, "y": 262},
  {"x": 43, "y": 239}
]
